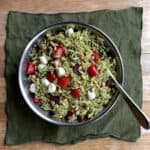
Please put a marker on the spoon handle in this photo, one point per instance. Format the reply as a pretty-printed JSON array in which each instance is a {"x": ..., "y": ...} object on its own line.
[{"x": 136, "y": 110}]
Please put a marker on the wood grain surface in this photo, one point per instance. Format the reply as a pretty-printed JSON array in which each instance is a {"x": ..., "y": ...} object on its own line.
[{"x": 53, "y": 6}]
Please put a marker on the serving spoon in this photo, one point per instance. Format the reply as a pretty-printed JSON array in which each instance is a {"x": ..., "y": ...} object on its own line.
[{"x": 136, "y": 110}]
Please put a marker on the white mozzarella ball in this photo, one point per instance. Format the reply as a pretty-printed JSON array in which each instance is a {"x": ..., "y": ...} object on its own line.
[
  {"x": 41, "y": 66},
  {"x": 43, "y": 60},
  {"x": 51, "y": 88},
  {"x": 70, "y": 31},
  {"x": 45, "y": 82},
  {"x": 61, "y": 71},
  {"x": 91, "y": 95},
  {"x": 32, "y": 88}
]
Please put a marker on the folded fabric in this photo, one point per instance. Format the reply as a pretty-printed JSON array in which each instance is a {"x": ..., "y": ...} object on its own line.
[{"x": 124, "y": 27}]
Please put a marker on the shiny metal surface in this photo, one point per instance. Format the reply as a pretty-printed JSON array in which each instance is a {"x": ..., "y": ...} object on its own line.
[
  {"x": 136, "y": 110},
  {"x": 24, "y": 85}
]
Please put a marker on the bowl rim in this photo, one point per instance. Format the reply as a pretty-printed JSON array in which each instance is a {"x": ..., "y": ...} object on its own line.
[{"x": 29, "y": 44}]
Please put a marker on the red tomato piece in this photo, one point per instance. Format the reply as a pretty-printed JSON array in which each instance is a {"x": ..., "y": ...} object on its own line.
[
  {"x": 51, "y": 77},
  {"x": 36, "y": 100},
  {"x": 76, "y": 93},
  {"x": 31, "y": 68},
  {"x": 92, "y": 71},
  {"x": 109, "y": 83},
  {"x": 54, "y": 99},
  {"x": 69, "y": 114},
  {"x": 95, "y": 56},
  {"x": 64, "y": 81},
  {"x": 59, "y": 52},
  {"x": 80, "y": 118}
]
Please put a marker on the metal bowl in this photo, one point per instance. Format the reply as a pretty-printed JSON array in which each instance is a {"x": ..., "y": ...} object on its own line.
[{"x": 24, "y": 84}]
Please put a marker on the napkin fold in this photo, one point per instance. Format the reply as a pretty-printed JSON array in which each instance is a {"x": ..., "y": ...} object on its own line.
[{"x": 124, "y": 27}]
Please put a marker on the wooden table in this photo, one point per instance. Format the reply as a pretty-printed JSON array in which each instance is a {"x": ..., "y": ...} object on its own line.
[{"x": 53, "y": 6}]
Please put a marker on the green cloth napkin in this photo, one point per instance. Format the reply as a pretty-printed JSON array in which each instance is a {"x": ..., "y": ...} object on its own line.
[{"x": 124, "y": 27}]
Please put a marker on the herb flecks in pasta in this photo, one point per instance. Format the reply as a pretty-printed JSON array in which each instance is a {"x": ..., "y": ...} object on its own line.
[{"x": 68, "y": 76}]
